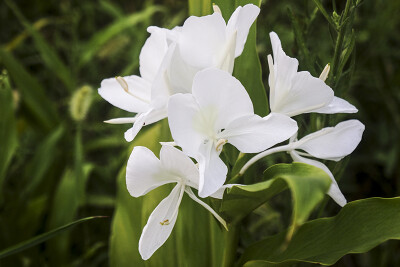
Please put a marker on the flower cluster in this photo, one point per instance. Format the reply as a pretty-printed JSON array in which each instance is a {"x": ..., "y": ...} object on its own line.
[{"x": 186, "y": 76}]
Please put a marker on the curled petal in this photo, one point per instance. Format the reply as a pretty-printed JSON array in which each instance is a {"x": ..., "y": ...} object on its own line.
[
  {"x": 160, "y": 223},
  {"x": 144, "y": 172},
  {"x": 334, "y": 191},
  {"x": 337, "y": 105},
  {"x": 333, "y": 143},
  {"x": 241, "y": 21}
]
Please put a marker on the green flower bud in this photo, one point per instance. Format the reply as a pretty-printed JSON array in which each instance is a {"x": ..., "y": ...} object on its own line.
[{"x": 80, "y": 103}]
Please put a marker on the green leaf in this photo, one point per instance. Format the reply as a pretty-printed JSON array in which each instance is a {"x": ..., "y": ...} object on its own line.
[
  {"x": 43, "y": 237},
  {"x": 199, "y": 7},
  {"x": 248, "y": 68},
  {"x": 32, "y": 93},
  {"x": 102, "y": 37},
  {"x": 47, "y": 53},
  {"x": 360, "y": 226},
  {"x": 8, "y": 132},
  {"x": 38, "y": 166},
  {"x": 307, "y": 183}
]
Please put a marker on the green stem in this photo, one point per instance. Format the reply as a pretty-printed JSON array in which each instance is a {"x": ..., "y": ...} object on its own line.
[
  {"x": 339, "y": 42},
  {"x": 231, "y": 244}
]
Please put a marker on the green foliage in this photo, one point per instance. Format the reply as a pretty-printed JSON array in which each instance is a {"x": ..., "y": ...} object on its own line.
[{"x": 359, "y": 226}]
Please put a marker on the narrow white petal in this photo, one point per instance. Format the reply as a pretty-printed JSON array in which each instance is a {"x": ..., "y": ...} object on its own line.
[
  {"x": 241, "y": 21},
  {"x": 113, "y": 93},
  {"x": 337, "y": 105},
  {"x": 160, "y": 223},
  {"x": 253, "y": 134},
  {"x": 212, "y": 170},
  {"x": 333, "y": 143},
  {"x": 217, "y": 89},
  {"x": 182, "y": 112},
  {"x": 152, "y": 54},
  {"x": 285, "y": 68},
  {"x": 131, "y": 133},
  {"x": 202, "y": 39},
  {"x": 175, "y": 161},
  {"x": 220, "y": 192},
  {"x": 121, "y": 120},
  {"x": 144, "y": 172},
  {"x": 334, "y": 191},
  {"x": 216, "y": 215}
]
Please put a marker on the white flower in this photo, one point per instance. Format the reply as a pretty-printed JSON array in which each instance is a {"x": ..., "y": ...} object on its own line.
[
  {"x": 293, "y": 93},
  {"x": 146, "y": 95},
  {"x": 146, "y": 172},
  {"x": 331, "y": 143},
  {"x": 168, "y": 65},
  {"x": 220, "y": 111}
]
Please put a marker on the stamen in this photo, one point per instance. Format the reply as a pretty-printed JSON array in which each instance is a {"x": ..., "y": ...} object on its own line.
[
  {"x": 124, "y": 86},
  {"x": 220, "y": 144},
  {"x": 166, "y": 221},
  {"x": 325, "y": 72}
]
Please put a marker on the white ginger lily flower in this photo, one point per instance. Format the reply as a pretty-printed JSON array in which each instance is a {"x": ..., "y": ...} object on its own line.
[
  {"x": 146, "y": 95},
  {"x": 331, "y": 143},
  {"x": 220, "y": 111},
  {"x": 146, "y": 172},
  {"x": 293, "y": 93},
  {"x": 208, "y": 41}
]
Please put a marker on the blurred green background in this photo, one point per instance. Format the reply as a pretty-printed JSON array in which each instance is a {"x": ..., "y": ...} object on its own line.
[{"x": 60, "y": 162}]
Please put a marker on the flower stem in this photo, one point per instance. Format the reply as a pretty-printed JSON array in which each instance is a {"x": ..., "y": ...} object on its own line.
[{"x": 231, "y": 244}]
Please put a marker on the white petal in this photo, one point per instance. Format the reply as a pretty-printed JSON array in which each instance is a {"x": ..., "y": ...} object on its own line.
[
  {"x": 160, "y": 223},
  {"x": 334, "y": 191},
  {"x": 333, "y": 143},
  {"x": 182, "y": 112},
  {"x": 306, "y": 93},
  {"x": 337, "y": 105},
  {"x": 152, "y": 54},
  {"x": 241, "y": 21},
  {"x": 176, "y": 162},
  {"x": 253, "y": 134},
  {"x": 212, "y": 170},
  {"x": 217, "y": 89},
  {"x": 285, "y": 69},
  {"x": 202, "y": 39},
  {"x": 142, "y": 119},
  {"x": 220, "y": 192},
  {"x": 112, "y": 92},
  {"x": 121, "y": 120},
  {"x": 144, "y": 172}
]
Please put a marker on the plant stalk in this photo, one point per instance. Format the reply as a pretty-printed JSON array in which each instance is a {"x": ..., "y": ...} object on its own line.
[{"x": 231, "y": 244}]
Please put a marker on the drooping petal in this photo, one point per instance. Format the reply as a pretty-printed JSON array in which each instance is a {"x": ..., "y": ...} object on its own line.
[
  {"x": 337, "y": 105},
  {"x": 212, "y": 170},
  {"x": 144, "y": 172},
  {"x": 253, "y": 134},
  {"x": 306, "y": 93},
  {"x": 152, "y": 54},
  {"x": 217, "y": 89},
  {"x": 220, "y": 192},
  {"x": 176, "y": 162},
  {"x": 284, "y": 69},
  {"x": 160, "y": 223},
  {"x": 334, "y": 191},
  {"x": 113, "y": 92},
  {"x": 333, "y": 143},
  {"x": 201, "y": 39},
  {"x": 241, "y": 21},
  {"x": 183, "y": 112}
]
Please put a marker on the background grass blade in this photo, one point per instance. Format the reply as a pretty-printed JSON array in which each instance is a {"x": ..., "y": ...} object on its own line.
[
  {"x": 43, "y": 237},
  {"x": 359, "y": 226},
  {"x": 199, "y": 7}
]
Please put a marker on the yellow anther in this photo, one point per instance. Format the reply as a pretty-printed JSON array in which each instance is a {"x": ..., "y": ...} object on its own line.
[{"x": 165, "y": 222}]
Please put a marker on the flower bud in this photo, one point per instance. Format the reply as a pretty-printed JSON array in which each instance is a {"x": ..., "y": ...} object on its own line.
[{"x": 80, "y": 103}]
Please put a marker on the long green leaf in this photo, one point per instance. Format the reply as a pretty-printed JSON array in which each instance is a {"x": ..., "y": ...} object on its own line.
[
  {"x": 199, "y": 7},
  {"x": 307, "y": 183},
  {"x": 360, "y": 226},
  {"x": 43, "y": 237},
  {"x": 47, "y": 53},
  {"x": 100, "y": 38},
  {"x": 32, "y": 93},
  {"x": 8, "y": 133},
  {"x": 248, "y": 68}
]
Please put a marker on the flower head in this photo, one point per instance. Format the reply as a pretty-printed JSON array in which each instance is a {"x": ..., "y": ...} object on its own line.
[{"x": 220, "y": 111}]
